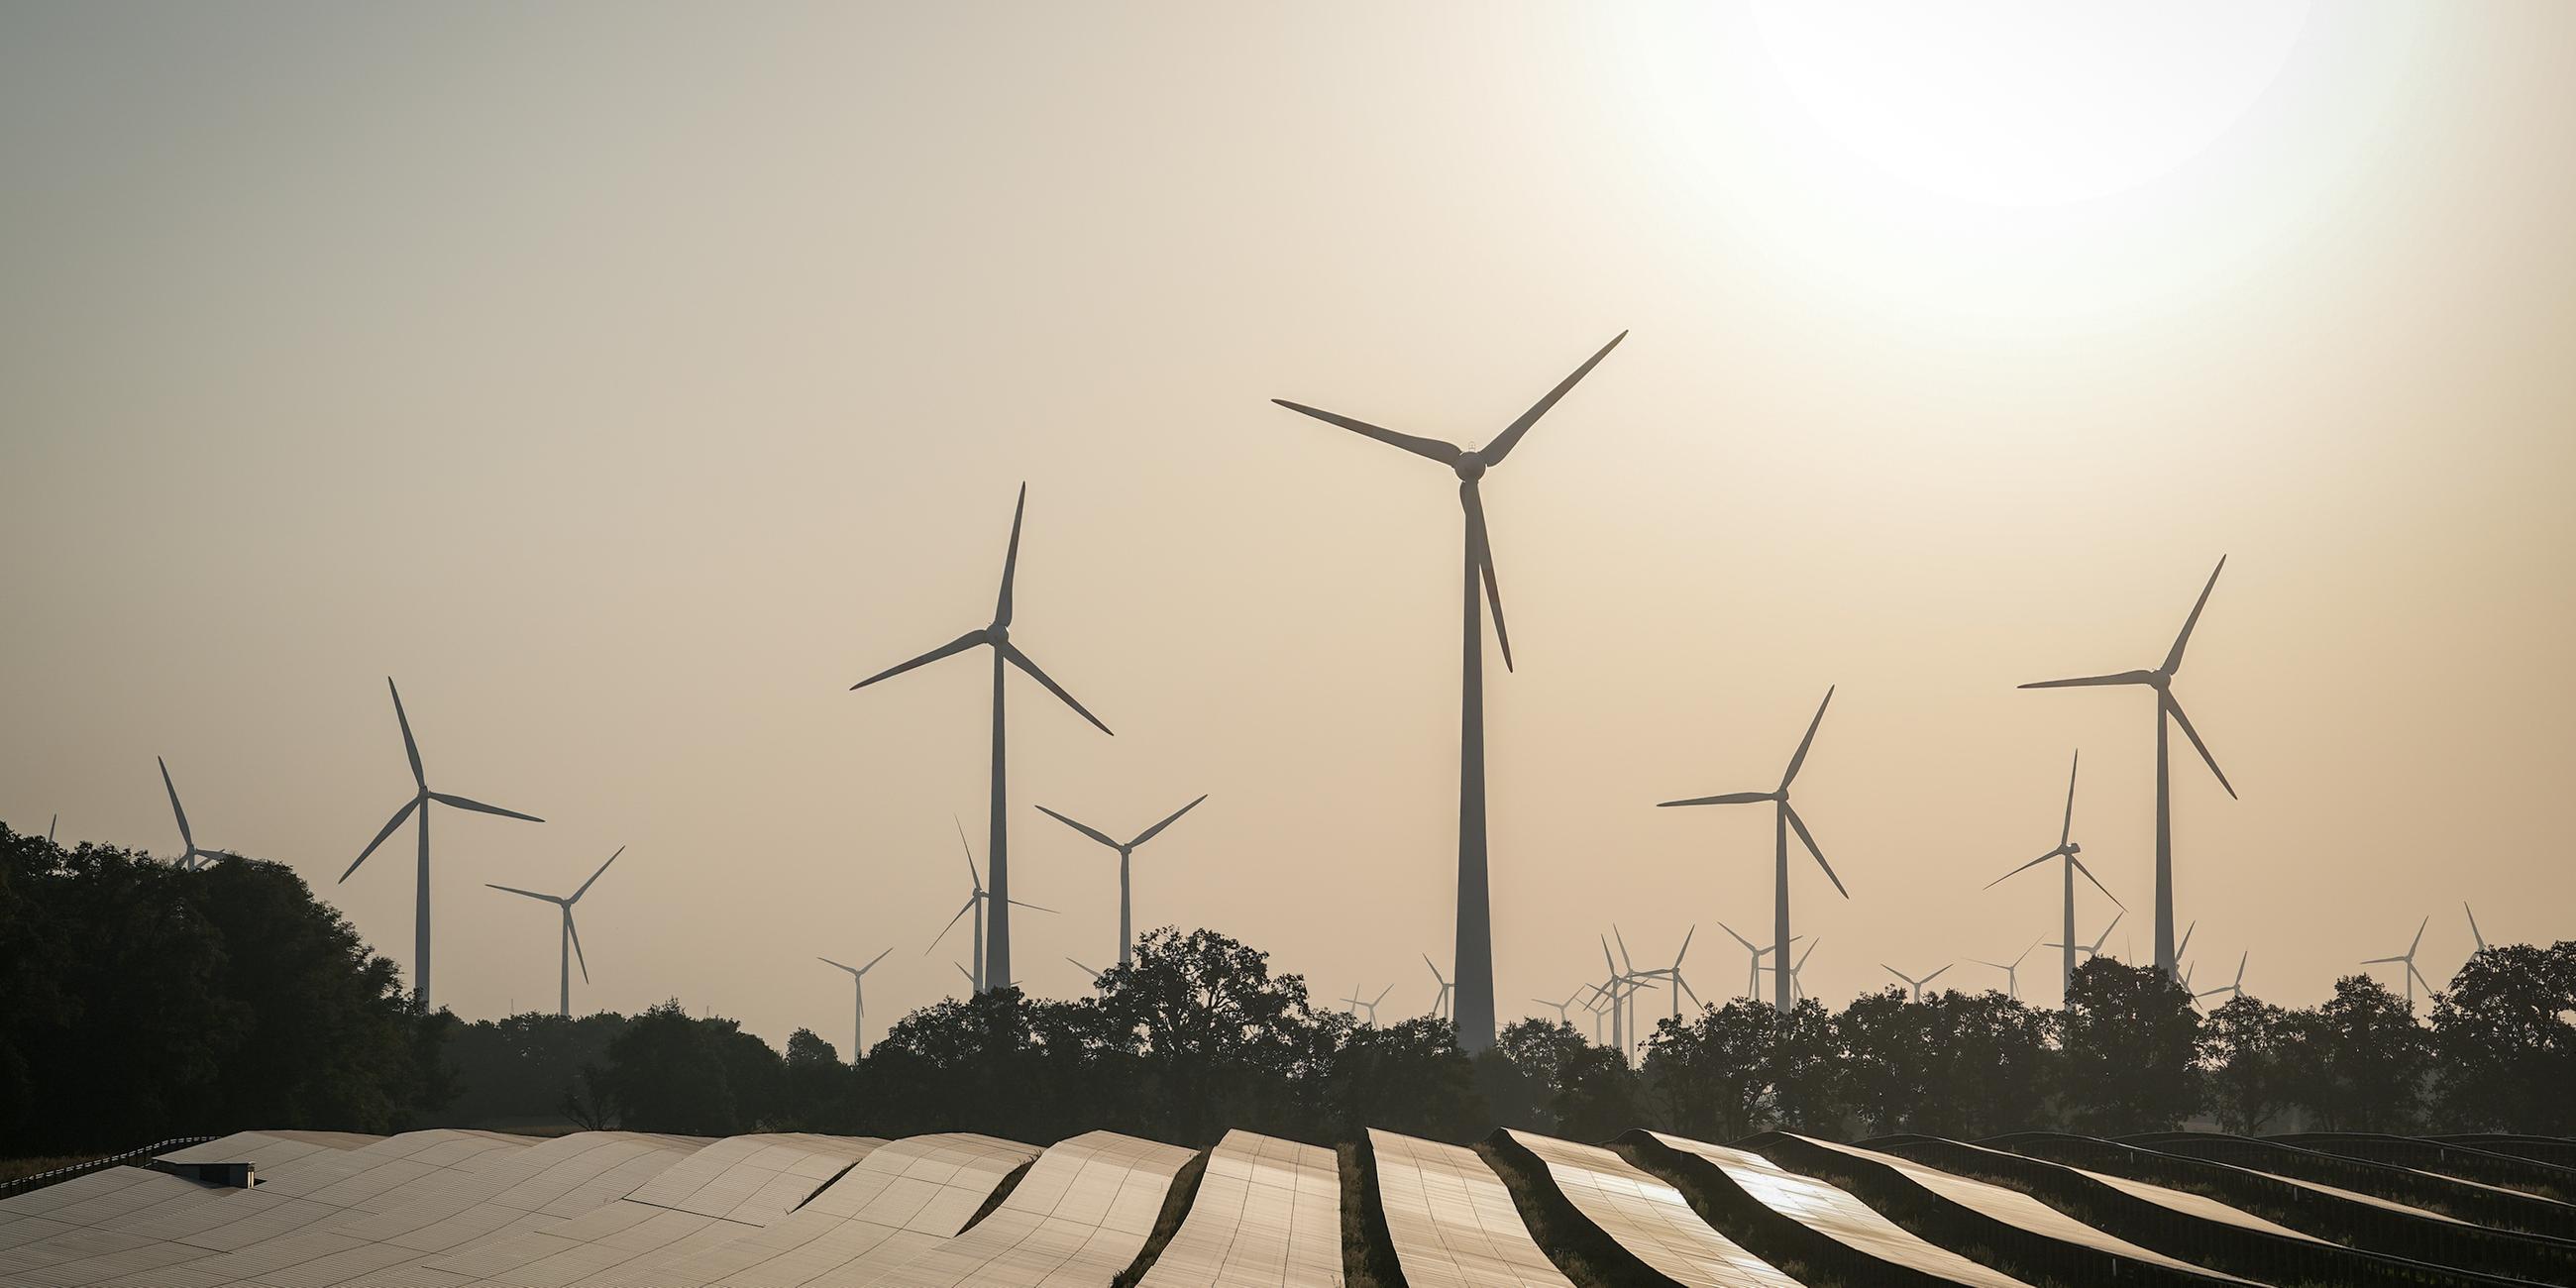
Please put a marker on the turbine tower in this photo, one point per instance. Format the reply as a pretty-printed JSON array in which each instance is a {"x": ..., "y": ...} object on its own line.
[
  {"x": 2408, "y": 959},
  {"x": 1784, "y": 817},
  {"x": 190, "y": 857},
  {"x": 995, "y": 962},
  {"x": 2168, "y": 713},
  {"x": 420, "y": 802},
  {"x": 858, "y": 986},
  {"x": 2067, "y": 850},
  {"x": 980, "y": 902},
  {"x": 1127, "y": 851},
  {"x": 1440, "y": 1003},
  {"x": 1910, "y": 981},
  {"x": 570, "y": 937},
  {"x": 1475, "y": 934},
  {"x": 2012, "y": 970}
]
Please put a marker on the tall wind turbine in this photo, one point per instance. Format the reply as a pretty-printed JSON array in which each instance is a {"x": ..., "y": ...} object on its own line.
[
  {"x": 1784, "y": 817},
  {"x": 2168, "y": 713},
  {"x": 1448, "y": 988},
  {"x": 570, "y": 939},
  {"x": 1475, "y": 936},
  {"x": 190, "y": 857},
  {"x": 420, "y": 802},
  {"x": 2408, "y": 958},
  {"x": 859, "y": 987},
  {"x": 1910, "y": 981},
  {"x": 2066, "y": 850},
  {"x": 2012, "y": 970},
  {"x": 2234, "y": 988},
  {"x": 1126, "y": 851},
  {"x": 995, "y": 963},
  {"x": 983, "y": 903}
]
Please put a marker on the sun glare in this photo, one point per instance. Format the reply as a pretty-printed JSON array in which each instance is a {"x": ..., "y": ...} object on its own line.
[{"x": 2029, "y": 102}]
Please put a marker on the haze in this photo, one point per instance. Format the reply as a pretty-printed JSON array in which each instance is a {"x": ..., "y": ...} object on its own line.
[{"x": 628, "y": 381}]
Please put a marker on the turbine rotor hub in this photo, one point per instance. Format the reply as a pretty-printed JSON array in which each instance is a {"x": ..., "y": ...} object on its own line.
[
  {"x": 1470, "y": 466},
  {"x": 2072, "y": 849},
  {"x": 997, "y": 634}
]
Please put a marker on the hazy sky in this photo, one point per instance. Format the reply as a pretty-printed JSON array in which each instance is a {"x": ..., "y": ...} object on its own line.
[{"x": 627, "y": 381}]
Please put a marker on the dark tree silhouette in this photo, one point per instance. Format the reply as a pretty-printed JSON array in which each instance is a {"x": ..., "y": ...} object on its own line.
[
  {"x": 2129, "y": 1047},
  {"x": 2504, "y": 1033},
  {"x": 2360, "y": 1061},
  {"x": 2244, "y": 1059}
]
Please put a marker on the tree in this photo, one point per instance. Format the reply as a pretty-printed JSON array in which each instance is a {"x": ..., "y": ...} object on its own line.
[
  {"x": 2244, "y": 1052},
  {"x": 2505, "y": 1035},
  {"x": 1886, "y": 1068},
  {"x": 1990, "y": 1062},
  {"x": 1215, "y": 1034},
  {"x": 2360, "y": 1061},
  {"x": 671, "y": 1072},
  {"x": 1709, "y": 1076},
  {"x": 2129, "y": 1042}
]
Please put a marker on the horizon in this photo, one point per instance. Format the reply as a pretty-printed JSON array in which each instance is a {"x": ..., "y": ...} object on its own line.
[{"x": 626, "y": 402}]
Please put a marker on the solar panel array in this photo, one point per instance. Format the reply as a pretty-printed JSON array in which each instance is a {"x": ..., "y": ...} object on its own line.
[{"x": 454, "y": 1209}]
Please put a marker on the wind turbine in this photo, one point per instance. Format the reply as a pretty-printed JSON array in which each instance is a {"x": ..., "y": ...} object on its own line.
[
  {"x": 1005, "y": 654},
  {"x": 983, "y": 904},
  {"x": 1561, "y": 1008},
  {"x": 1753, "y": 967},
  {"x": 1784, "y": 817},
  {"x": 1915, "y": 984},
  {"x": 570, "y": 944},
  {"x": 2234, "y": 988},
  {"x": 1358, "y": 1006},
  {"x": 1475, "y": 936},
  {"x": 190, "y": 858},
  {"x": 2094, "y": 949},
  {"x": 2067, "y": 850},
  {"x": 1095, "y": 975},
  {"x": 858, "y": 986},
  {"x": 2408, "y": 958},
  {"x": 1796, "y": 991},
  {"x": 1440, "y": 1004},
  {"x": 420, "y": 803},
  {"x": 2168, "y": 713},
  {"x": 2474, "y": 932},
  {"x": 1126, "y": 932},
  {"x": 2012, "y": 970},
  {"x": 1674, "y": 974}
]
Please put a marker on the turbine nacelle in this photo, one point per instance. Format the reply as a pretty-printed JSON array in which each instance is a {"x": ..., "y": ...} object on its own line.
[{"x": 1470, "y": 466}]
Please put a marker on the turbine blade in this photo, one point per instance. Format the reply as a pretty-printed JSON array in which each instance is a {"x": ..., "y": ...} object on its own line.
[
  {"x": 530, "y": 893},
  {"x": 1480, "y": 543},
  {"x": 2081, "y": 681},
  {"x": 1157, "y": 829},
  {"x": 2066, "y": 831},
  {"x": 1021, "y": 660},
  {"x": 2419, "y": 937},
  {"x": 2474, "y": 932},
  {"x": 1694, "y": 993},
  {"x": 872, "y": 962},
  {"x": 1730, "y": 930},
  {"x": 1799, "y": 825},
  {"x": 186, "y": 839},
  {"x": 2380, "y": 961},
  {"x": 1687, "y": 936},
  {"x": 410, "y": 748},
  {"x": 397, "y": 821},
  {"x": 2185, "y": 945},
  {"x": 2019, "y": 870},
  {"x": 972, "y": 876},
  {"x": 1801, "y": 963},
  {"x": 1511, "y": 435},
  {"x": 1624, "y": 958},
  {"x": 1937, "y": 974},
  {"x": 1011, "y": 560},
  {"x": 2196, "y": 744},
  {"x": 1729, "y": 798},
  {"x": 1800, "y": 758},
  {"x": 952, "y": 924},
  {"x": 958, "y": 645},
  {"x": 970, "y": 975},
  {"x": 573, "y": 928},
  {"x": 2097, "y": 883},
  {"x": 595, "y": 876},
  {"x": 1030, "y": 906},
  {"x": 829, "y": 962},
  {"x": 1445, "y": 453},
  {"x": 2173, "y": 659},
  {"x": 1092, "y": 832},
  {"x": 1381, "y": 996},
  {"x": 481, "y": 808}
]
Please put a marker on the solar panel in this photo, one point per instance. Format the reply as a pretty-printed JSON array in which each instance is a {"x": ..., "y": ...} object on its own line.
[
  {"x": 1267, "y": 1213},
  {"x": 1452, "y": 1221},
  {"x": 1079, "y": 1217},
  {"x": 1648, "y": 1217},
  {"x": 1839, "y": 1216}
]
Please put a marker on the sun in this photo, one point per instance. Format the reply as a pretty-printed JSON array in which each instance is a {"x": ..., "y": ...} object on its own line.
[{"x": 2029, "y": 102}]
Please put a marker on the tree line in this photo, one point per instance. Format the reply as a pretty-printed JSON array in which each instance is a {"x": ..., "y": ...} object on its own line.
[{"x": 140, "y": 1002}]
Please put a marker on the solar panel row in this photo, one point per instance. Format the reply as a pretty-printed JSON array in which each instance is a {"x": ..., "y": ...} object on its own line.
[{"x": 451, "y": 1209}]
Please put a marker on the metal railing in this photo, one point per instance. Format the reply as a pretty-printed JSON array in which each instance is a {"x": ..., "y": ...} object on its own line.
[{"x": 59, "y": 1174}]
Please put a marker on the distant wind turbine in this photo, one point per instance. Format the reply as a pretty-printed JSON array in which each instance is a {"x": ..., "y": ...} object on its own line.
[
  {"x": 1095, "y": 975},
  {"x": 1911, "y": 982},
  {"x": 2012, "y": 970},
  {"x": 1673, "y": 973},
  {"x": 996, "y": 964},
  {"x": 1440, "y": 1003},
  {"x": 1753, "y": 966},
  {"x": 420, "y": 802},
  {"x": 859, "y": 991},
  {"x": 1126, "y": 852},
  {"x": 1358, "y": 1006},
  {"x": 570, "y": 945},
  {"x": 1796, "y": 990},
  {"x": 2234, "y": 988},
  {"x": 2408, "y": 959},
  {"x": 190, "y": 857},
  {"x": 2094, "y": 949},
  {"x": 1475, "y": 937},
  {"x": 2066, "y": 850},
  {"x": 2168, "y": 713},
  {"x": 1785, "y": 817},
  {"x": 1563, "y": 1008},
  {"x": 980, "y": 902}
]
